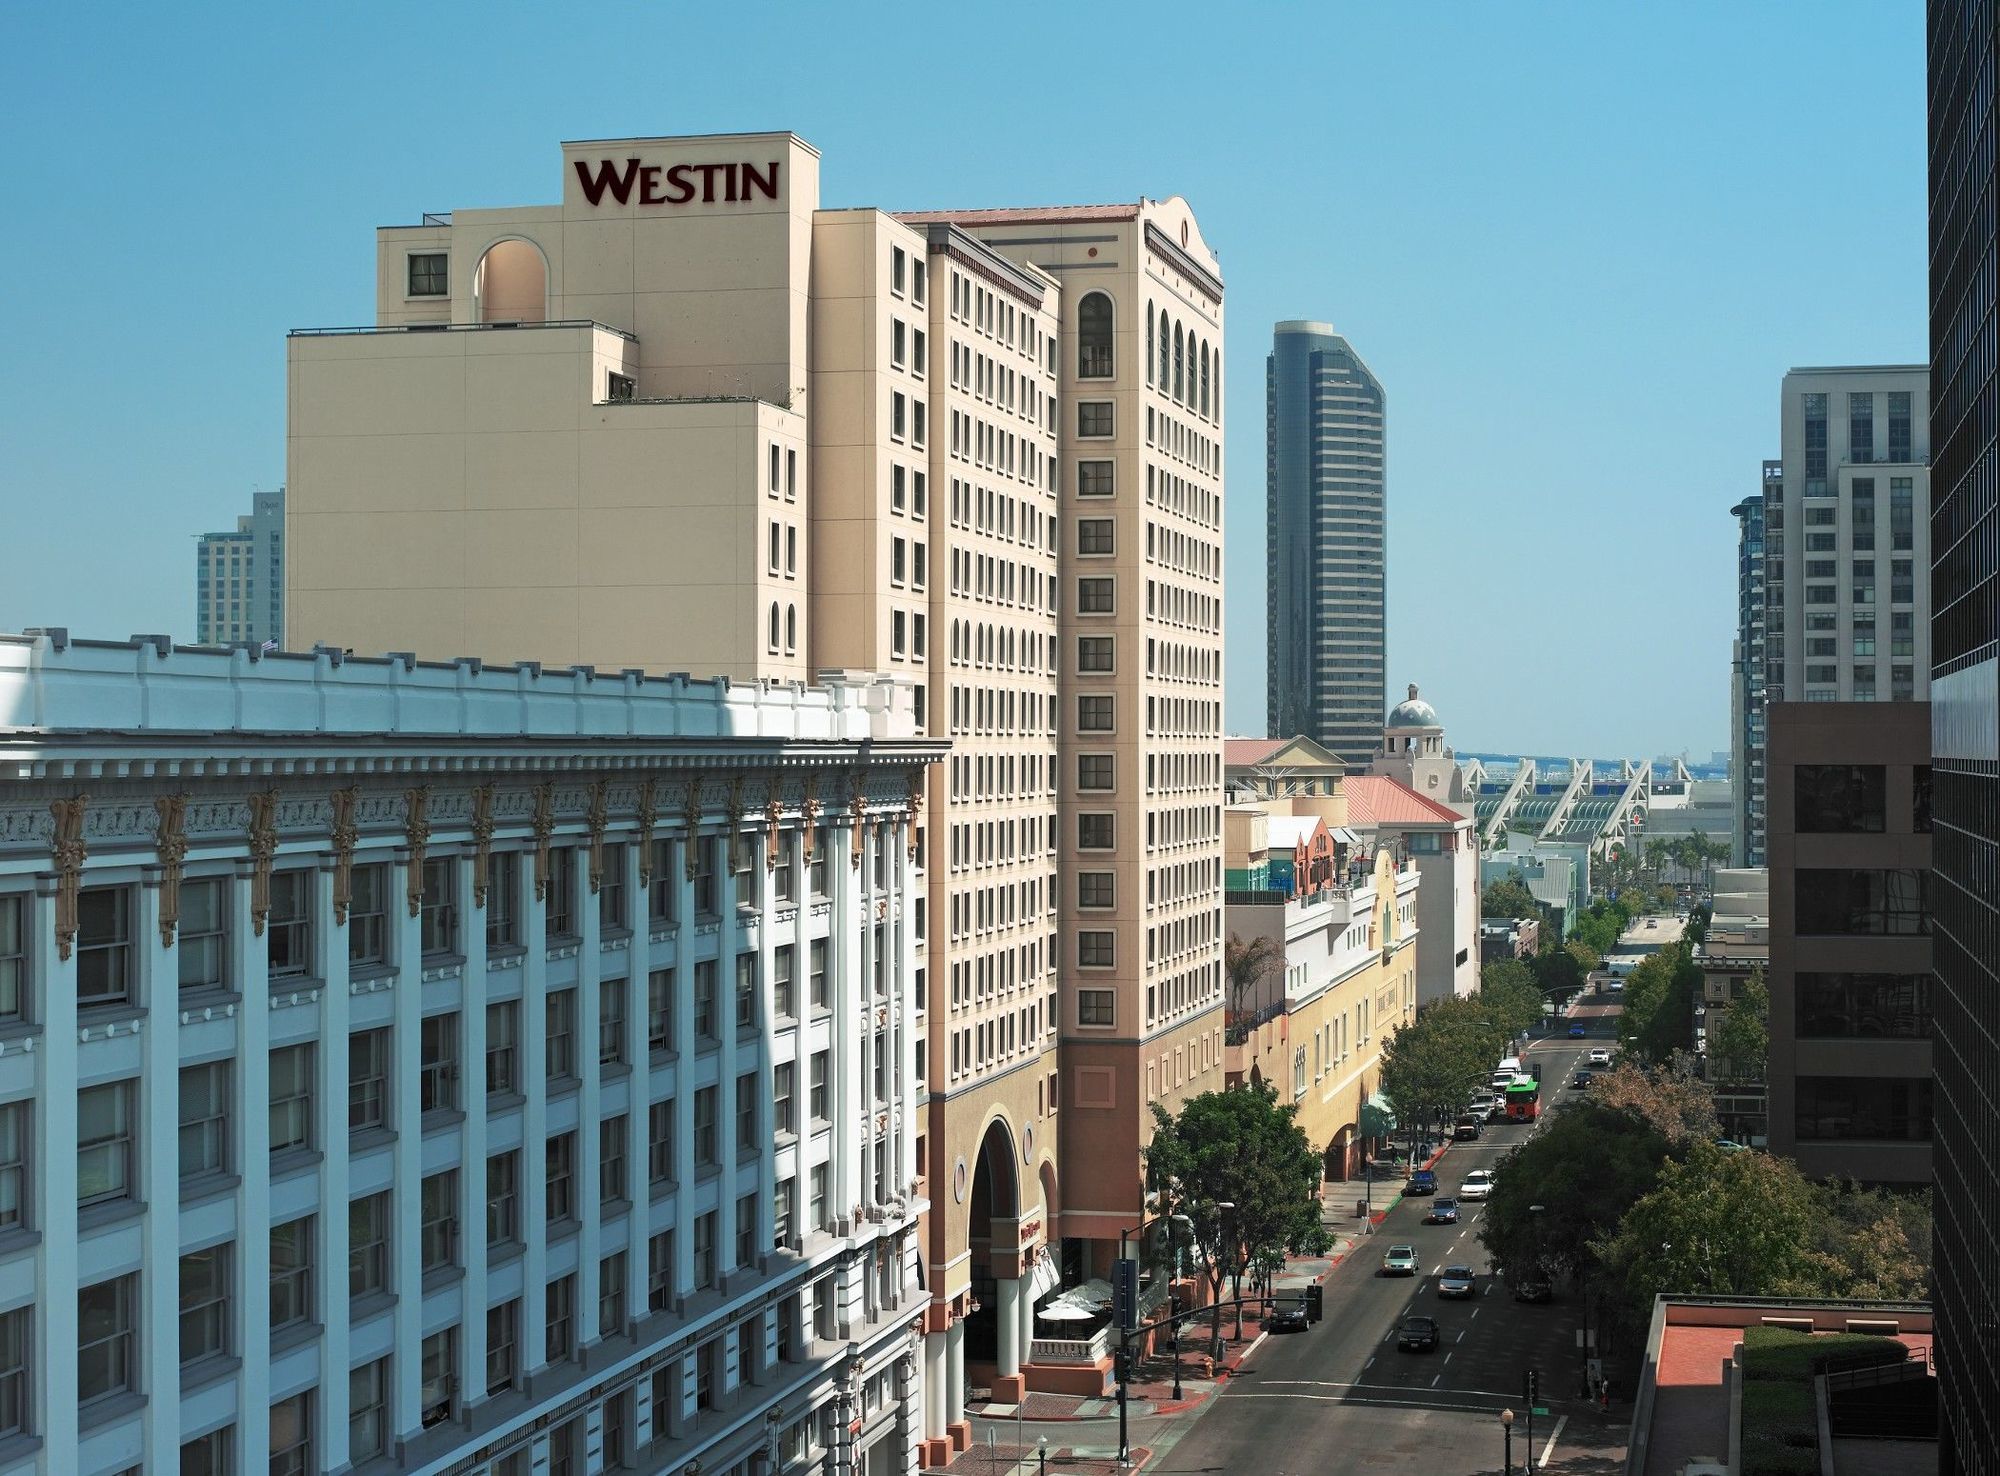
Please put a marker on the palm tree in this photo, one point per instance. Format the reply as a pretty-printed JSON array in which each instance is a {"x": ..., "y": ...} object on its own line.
[{"x": 1246, "y": 963}]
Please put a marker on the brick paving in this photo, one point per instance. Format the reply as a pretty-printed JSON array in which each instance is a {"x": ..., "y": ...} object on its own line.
[{"x": 1009, "y": 1459}]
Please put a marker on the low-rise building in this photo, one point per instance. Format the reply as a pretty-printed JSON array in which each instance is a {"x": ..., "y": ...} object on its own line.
[
  {"x": 442, "y": 1067},
  {"x": 1509, "y": 937},
  {"x": 1736, "y": 945}
]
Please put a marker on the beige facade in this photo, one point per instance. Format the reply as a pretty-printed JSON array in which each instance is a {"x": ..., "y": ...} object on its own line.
[{"x": 686, "y": 419}]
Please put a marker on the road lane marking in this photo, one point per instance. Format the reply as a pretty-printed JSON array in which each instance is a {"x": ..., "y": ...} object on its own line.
[
  {"x": 1475, "y": 1311},
  {"x": 1369, "y": 1364},
  {"x": 1437, "y": 1380},
  {"x": 1461, "y": 1336},
  {"x": 1554, "y": 1436},
  {"x": 1447, "y": 1359}
]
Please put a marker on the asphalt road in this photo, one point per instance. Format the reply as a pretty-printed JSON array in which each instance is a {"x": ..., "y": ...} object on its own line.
[{"x": 1342, "y": 1398}]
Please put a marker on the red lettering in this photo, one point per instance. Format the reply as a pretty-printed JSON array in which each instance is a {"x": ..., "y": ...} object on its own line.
[
  {"x": 708, "y": 182},
  {"x": 649, "y": 186},
  {"x": 680, "y": 191},
  {"x": 766, "y": 184},
  {"x": 729, "y": 181},
  {"x": 619, "y": 185}
]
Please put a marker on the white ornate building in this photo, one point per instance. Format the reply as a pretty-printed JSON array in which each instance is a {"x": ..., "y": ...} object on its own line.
[{"x": 435, "y": 1068}]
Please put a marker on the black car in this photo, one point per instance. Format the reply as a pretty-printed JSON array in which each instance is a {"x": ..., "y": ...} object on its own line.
[
  {"x": 1532, "y": 1289},
  {"x": 1582, "y": 1081},
  {"x": 1418, "y": 1335},
  {"x": 1288, "y": 1317}
]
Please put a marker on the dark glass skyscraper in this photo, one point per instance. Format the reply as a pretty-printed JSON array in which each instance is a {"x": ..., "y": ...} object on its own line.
[
  {"x": 1326, "y": 454},
  {"x": 1965, "y": 727}
]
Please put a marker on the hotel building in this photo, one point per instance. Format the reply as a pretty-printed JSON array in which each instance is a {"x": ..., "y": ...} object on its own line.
[
  {"x": 575, "y": 1017},
  {"x": 686, "y": 418},
  {"x": 239, "y": 577}
]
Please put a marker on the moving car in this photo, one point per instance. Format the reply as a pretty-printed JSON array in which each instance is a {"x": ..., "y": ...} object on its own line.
[
  {"x": 1532, "y": 1289},
  {"x": 1600, "y": 1057},
  {"x": 1400, "y": 1260},
  {"x": 1582, "y": 1082},
  {"x": 1418, "y": 1334},
  {"x": 1457, "y": 1281},
  {"x": 1467, "y": 1128},
  {"x": 1577, "y": 1032},
  {"x": 1477, "y": 1185},
  {"x": 1442, "y": 1212},
  {"x": 1288, "y": 1317},
  {"x": 1422, "y": 1181}
]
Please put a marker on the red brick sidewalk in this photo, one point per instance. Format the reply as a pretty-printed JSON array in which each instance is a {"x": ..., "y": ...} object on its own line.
[{"x": 1005, "y": 1460}]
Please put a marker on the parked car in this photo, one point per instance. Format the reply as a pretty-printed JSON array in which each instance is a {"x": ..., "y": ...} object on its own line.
[
  {"x": 1477, "y": 1185},
  {"x": 1288, "y": 1317},
  {"x": 1467, "y": 1129},
  {"x": 1577, "y": 1031},
  {"x": 1532, "y": 1289},
  {"x": 1483, "y": 1107},
  {"x": 1418, "y": 1335},
  {"x": 1457, "y": 1281},
  {"x": 1443, "y": 1211},
  {"x": 1422, "y": 1181},
  {"x": 1600, "y": 1057},
  {"x": 1400, "y": 1260}
]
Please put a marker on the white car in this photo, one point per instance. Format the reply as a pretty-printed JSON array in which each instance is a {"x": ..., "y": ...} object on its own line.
[
  {"x": 1600, "y": 1057},
  {"x": 1477, "y": 1185}
]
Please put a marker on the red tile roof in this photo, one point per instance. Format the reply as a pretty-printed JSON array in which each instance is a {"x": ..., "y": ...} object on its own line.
[
  {"x": 1244, "y": 753},
  {"x": 1022, "y": 216},
  {"x": 1375, "y": 799}
]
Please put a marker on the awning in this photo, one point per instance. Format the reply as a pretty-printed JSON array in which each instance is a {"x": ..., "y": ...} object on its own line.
[
  {"x": 1378, "y": 1117},
  {"x": 1079, "y": 1303}
]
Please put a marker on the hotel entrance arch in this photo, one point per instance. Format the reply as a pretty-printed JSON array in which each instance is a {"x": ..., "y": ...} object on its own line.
[{"x": 511, "y": 284}]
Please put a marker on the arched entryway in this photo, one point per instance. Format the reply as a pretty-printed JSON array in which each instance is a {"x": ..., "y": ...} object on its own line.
[
  {"x": 995, "y": 1197},
  {"x": 512, "y": 283}
]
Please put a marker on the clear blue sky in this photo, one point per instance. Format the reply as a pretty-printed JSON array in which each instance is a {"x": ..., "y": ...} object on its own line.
[{"x": 1578, "y": 242}]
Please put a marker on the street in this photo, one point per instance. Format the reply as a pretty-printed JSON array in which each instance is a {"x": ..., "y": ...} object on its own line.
[{"x": 1341, "y": 1397}]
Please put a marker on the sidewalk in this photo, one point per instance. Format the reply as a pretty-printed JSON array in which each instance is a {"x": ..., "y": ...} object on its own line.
[{"x": 1005, "y": 1458}]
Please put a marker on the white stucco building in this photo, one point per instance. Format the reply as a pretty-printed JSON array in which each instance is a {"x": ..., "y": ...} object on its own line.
[{"x": 431, "y": 1068}]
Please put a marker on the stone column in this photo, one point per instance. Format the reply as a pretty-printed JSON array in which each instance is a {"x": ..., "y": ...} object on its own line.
[
  {"x": 252, "y": 953},
  {"x": 54, "y": 1118},
  {"x": 934, "y": 1396},
  {"x": 589, "y": 1196},
  {"x": 729, "y": 941},
  {"x": 847, "y": 999},
  {"x": 472, "y": 1169},
  {"x": 407, "y": 1119},
  {"x": 159, "y": 1169},
  {"x": 534, "y": 1167},
  {"x": 684, "y": 1052},
  {"x": 957, "y": 1427},
  {"x": 330, "y": 1119},
  {"x": 638, "y": 1056},
  {"x": 1007, "y": 1317}
]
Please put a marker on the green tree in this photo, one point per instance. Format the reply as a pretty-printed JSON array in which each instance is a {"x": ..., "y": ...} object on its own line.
[
  {"x": 1558, "y": 971},
  {"x": 1432, "y": 1066},
  {"x": 1247, "y": 963},
  {"x": 1561, "y": 1191},
  {"x": 1237, "y": 1148},
  {"x": 1510, "y": 994},
  {"x": 1658, "y": 1014},
  {"x": 1675, "y": 1102},
  {"x": 1739, "y": 1045},
  {"x": 1587, "y": 958},
  {"x": 1509, "y": 897},
  {"x": 1874, "y": 1244}
]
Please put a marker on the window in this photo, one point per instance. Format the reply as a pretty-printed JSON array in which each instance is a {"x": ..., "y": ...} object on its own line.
[
  {"x": 559, "y": 1305},
  {"x": 619, "y": 389},
  {"x": 1095, "y": 889},
  {"x": 746, "y": 1115},
  {"x": 291, "y": 1436},
  {"x": 1093, "y": 715},
  {"x": 660, "y": 1011},
  {"x": 368, "y": 1411},
  {"x": 611, "y": 1023},
  {"x": 1094, "y": 418},
  {"x": 1094, "y": 596},
  {"x": 1094, "y": 770},
  {"x": 503, "y": 1338},
  {"x": 439, "y": 1383},
  {"x": 783, "y": 963},
  {"x": 560, "y": 1037},
  {"x": 816, "y": 1085},
  {"x": 562, "y": 892},
  {"x": 660, "y": 1143},
  {"x": 816, "y": 958},
  {"x": 1095, "y": 1007},
  {"x": 1093, "y": 653},
  {"x": 816, "y": 1189},
  {"x": 368, "y": 1245},
  {"x": 503, "y": 1199},
  {"x": 1094, "y": 832},
  {"x": 1095, "y": 479},
  {"x": 213, "y": 1454},
  {"x": 202, "y": 942},
  {"x": 782, "y": 1077},
  {"x": 704, "y": 1128},
  {"x": 704, "y": 1250},
  {"x": 429, "y": 274},
  {"x": 898, "y": 269},
  {"x": 899, "y": 415},
  {"x": 1850, "y": 902},
  {"x": 559, "y": 1155},
  {"x": 611, "y": 1185},
  {"x": 1863, "y": 1109},
  {"x": 746, "y": 991},
  {"x": 1093, "y": 337},
  {"x": 291, "y": 1098},
  {"x": 1093, "y": 536},
  {"x": 1863, "y": 1006},
  {"x": 660, "y": 1272},
  {"x": 291, "y": 1273},
  {"x": 368, "y": 1079},
  {"x": 1920, "y": 799},
  {"x": 13, "y": 1169},
  {"x": 104, "y": 1361},
  {"x": 104, "y": 1146},
  {"x": 1842, "y": 799},
  {"x": 704, "y": 998},
  {"x": 368, "y": 916},
  {"x": 437, "y": 1081},
  {"x": 705, "y": 890},
  {"x": 437, "y": 1237},
  {"x": 204, "y": 1304},
  {"x": 289, "y": 928},
  {"x": 1096, "y": 950},
  {"x": 503, "y": 893},
  {"x": 204, "y": 1141},
  {"x": 611, "y": 1295},
  {"x": 611, "y": 892},
  {"x": 439, "y": 925},
  {"x": 104, "y": 946},
  {"x": 746, "y": 1241},
  {"x": 503, "y": 1058}
]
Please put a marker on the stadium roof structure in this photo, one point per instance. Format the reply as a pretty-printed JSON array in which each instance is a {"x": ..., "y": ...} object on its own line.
[{"x": 1574, "y": 804}]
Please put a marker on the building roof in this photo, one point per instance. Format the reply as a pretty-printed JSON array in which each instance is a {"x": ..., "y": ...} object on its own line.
[
  {"x": 1298, "y": 752},
  {"x": 1243, "y": 753},
  {"x": 1375, "y": 800},
  {"x": 1413, "y": 712},
  {"x": 1290, "y": 830},
  {"x": 1023, "y": 215}
]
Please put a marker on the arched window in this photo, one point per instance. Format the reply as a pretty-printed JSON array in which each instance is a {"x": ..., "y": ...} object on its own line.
[
  {"x": 1180, "y": 365},
  {"x": 511, "y": 283},
  {"x": 791, "y": 629},
  {"x": 1165, "y": 350},
  {"x": 1149, "y": 343},
  {"x": 1204, "y": 376},
  {"x": 1093, "y": 337},
  {"x": 773, "y": 635}
]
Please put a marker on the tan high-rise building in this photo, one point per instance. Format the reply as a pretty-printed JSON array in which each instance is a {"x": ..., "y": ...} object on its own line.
[{"x": 687, "y": 419}]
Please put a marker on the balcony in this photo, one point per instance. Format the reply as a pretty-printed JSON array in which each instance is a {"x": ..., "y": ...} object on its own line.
[{"x": 1090, "y": 1350}]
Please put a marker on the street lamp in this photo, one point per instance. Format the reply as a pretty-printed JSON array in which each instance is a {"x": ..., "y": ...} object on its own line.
[
  {"x": 1507, "y": 1436},
  {"x": 1043, "y": 1448}
]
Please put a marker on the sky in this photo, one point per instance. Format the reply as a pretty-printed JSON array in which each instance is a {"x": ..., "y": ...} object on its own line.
[{"x": 1578, "y": 242}]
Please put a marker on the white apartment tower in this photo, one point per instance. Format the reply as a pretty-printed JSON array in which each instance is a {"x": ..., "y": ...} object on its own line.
[{"x": 239, "y": 577}]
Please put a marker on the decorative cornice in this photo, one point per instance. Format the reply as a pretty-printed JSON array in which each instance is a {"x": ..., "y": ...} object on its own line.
[
  {"x": 483, "y": 826},
  {"x": 1164, "y": 245},
  {"x": 170, "y": 842},
  {"x": 809, "y": 816},
  {"x": 416, "y": 835},
  {"x": 691, "y": 816},
  {"x": 596, "y": 817},
  {"x": 774, "y": 816},
  {"x": 346, "y": 835},
  {"x": 69, "y": 853},
  {"x": 544, "y": 826},
  {"x": 263, "y": 846},
  {"x": 649, "y": 816}
]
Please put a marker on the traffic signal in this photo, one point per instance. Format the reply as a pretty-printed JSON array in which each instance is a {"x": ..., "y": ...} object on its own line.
[
  {"x": 1125, "y": 1293},
  {"x": 1531, "y": 1387}
]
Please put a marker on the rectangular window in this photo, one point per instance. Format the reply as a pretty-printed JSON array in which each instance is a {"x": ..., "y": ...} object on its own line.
[
  {"x": 1094, "y": 832},
  {"x": 611, "y": 1294},
  {"x": 430, "y": 274},
  {"x": 1839, "y": 799},
  {"x": 746, "y": 1115},
  {"x": 611, "y": 1184},
  {"x": 368, "y": 916},
  {"x": 559, "y": 1155},
  {"x": 611, "y": 892},
  {"x": 660, "y": 1143},
  {"x": 665, "y": 886},
  {"x": 104, "y": 1143},
  {"x": 503, "y": 1199},
  {"x": 1093, "y": 714},
  {"x": 1095, "y": 889},
  {"x": 438, "y": 1387},
  {"x": 1095, "y": 1007},
  {"x": 611, "y": 1023},
  {"x": 746, "y": 1239},
  {"x": 1094, "y": 596},
  {"x": 1094, "y": 479},
  {"x": 816, "y": 1085},
  {"x": 704, "y": 998},
  {"x": 289, "y": 929},
  {"x": 291, "y": 1272},
  {"x": 503, "y": 1337},
  {"x": 1094, "y": 418},
  {"x": 1093, "y": 536},
  {"x": 104, "y": 1353},
  {"x": 437, "y": 1079},
  {"x": 437, "y": 1236},
  {"x": 503, "y": 893},
  {"x": 559, "y": 1017},
  {"x": 1093, "y": 653},
  {"x": 1863, "y": 1006},
  {"x": 783, "y": 964},
  {"x": 1096, "y": 949},
  {"x": 204, "y": 1304},
  {"x": 705, "y": 1154},
  {"x": 202, "y": 942},
  {"x": 503, "y": 1049},
  {"x": 704, "y": 1250},
  {"x": 439, "y": 926},
  {"x": 368, "y": 1079},
  {"x": 204, "y": 1140},
  {"x": 292, "y": 1099},
  {"x": 816, "y": 959},
  {"x": 660, "y": 1011},
  {"x": 13, "y": 1169},
  {"x": 1863, "y": 1109},
  {"x": 367, "y": 1245},
  {"x": 1094, "y": 770},
  {"x": 660, "y": 1271},
  {"x": 104, "y": 946},
  {"x": 1855, "y": 902},
  {"x": 705, "y": 889},
  {"x": 368, "y": 1411},
  {"x": 559, "y": 1304},
  {"x": 213, "y": 1454},
  {"x": 562, "y": 892}
]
